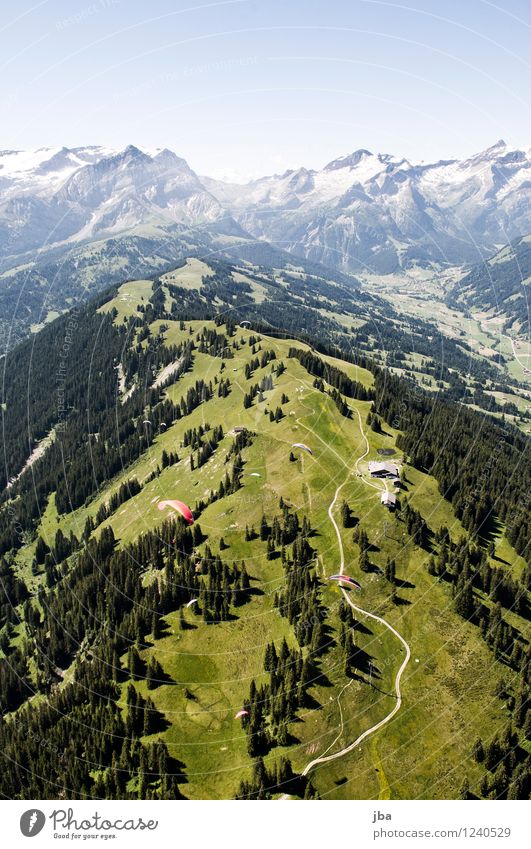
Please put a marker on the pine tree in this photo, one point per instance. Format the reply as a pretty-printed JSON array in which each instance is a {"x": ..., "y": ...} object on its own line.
[
  {"x": 156, "y": 628},
  {"x": 363, "y": 561},
  {"x": 464, "y": 598},
  {"x": 478, "y": 752},
  {"x": 464, "y": 790},
  {"x": 264, "y": 529},
  {"x": 346, "y": 514},
  {"x": 134, "y": 663},
  {"x": 154, "y": 673}
]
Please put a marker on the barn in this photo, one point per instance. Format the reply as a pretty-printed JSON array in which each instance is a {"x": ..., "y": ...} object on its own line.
[
  {"x": 379, "y": 469},
  {"x": 388, "y": 499}
]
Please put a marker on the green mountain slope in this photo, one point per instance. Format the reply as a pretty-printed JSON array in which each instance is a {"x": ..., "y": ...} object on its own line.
[
  {"x": 136, "y": 687},
  {"x": 500, "y": 285},
  {"x": 34, "y": 288}
]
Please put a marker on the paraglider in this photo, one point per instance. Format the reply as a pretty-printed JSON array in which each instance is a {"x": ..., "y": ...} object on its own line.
[
  {"x": 146, "y": 421},
  {"x": 245, "y": 323},
  {"x": 347, "y": 579},
  {"x": 181, "y": 508},
  {"x": 254, "y": 474},
  {"x": 241, "y": 713},
  {"x": 303, "y": 447},
  {"x": 192, "y": 601},
  {"x": 163, "y": 424}
]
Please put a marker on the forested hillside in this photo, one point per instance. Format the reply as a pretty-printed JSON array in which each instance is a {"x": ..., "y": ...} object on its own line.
[
  {"x": 500, "y": 284},
  {"x": 146, "y": 657}
]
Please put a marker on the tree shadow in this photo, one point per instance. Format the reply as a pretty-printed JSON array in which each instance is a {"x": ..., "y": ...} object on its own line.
[
  {"x": 401, "y": 602},
  {"x": 174, "y": 769},
  {"x": 291, "y": 739},
  {"x": 404, "y": 585},
  {"x": 362, "y": 661},
  {"x": 320, "y": 679},
  {"x": 310, "y": 702},
  {"x": 163, "y": 678},
  {"x": 159, "y": 723},
  {"x": 372, "y": 569},
  {"x": 361, "y": 628}
]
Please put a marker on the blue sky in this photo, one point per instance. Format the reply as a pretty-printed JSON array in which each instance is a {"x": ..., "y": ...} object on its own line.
[{"x": 247, "y": 87}]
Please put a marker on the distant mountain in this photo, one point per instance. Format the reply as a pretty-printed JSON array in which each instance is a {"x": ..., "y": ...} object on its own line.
[
  {"x": 363, "y": 210},
  {"x": 52, "y": 196},
  {"x": 379, "y": 213},
  {"x": 73, "y": 221},
  {"x": 501, "y": 284}
]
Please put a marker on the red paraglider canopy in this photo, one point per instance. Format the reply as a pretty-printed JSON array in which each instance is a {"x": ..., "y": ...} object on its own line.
[
  {"x": 347, "y": 579},
  {"x": 181, "y": 508}
]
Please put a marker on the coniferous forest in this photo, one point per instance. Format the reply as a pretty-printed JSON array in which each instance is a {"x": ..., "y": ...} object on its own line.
[{"x": 105, "y": 590}]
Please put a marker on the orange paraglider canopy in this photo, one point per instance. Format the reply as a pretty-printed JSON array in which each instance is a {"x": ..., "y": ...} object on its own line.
[{"x": 181, "y": 508}]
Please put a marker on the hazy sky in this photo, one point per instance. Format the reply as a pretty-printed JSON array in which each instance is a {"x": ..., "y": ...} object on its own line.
[{"x": 247, "y": 87}]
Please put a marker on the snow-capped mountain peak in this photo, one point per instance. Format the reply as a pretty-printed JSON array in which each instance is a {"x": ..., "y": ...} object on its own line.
[
  {"x": 361, "y": 210},
  {"x": 379, "y": 212},
  {"x": 53, "y": 195}
]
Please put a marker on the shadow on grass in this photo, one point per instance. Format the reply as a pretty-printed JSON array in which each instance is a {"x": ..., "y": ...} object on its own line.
[
  {"x": 400, "y": 602},
  {"x": 404, "y": 585}
]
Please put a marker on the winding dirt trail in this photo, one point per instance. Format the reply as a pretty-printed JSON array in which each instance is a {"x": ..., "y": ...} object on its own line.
[
  {"x": 515, "y": 354},
  {"x": 324, "y": 758}
]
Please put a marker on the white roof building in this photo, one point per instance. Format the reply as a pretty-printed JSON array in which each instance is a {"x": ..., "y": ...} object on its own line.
[{"x": 383, "y": 469}]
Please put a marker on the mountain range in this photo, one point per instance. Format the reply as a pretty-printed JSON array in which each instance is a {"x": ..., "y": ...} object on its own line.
[
  {"x": 75, "y": 220},
  {"x": 366, "y": 210},
  {"x": 48, "y": 197}
]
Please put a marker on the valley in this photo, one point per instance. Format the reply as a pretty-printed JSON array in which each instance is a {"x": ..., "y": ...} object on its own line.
[{"x": 424, "y": 295}]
